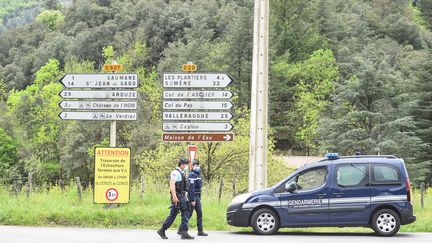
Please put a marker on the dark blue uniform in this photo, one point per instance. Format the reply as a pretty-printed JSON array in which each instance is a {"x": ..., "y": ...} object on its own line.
[
  {"x": 195, "y": 185},
  {"x": 182, "y": 206}
]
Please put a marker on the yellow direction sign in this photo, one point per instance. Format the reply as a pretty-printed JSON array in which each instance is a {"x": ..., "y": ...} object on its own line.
[
  {"x": 112, "y": 67},
  {"x": 189, "y": 67},
  {"x": 112, "y": 175}
]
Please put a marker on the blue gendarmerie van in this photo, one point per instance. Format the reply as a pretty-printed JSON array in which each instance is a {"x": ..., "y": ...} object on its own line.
[{"x": 347, "y": 191}]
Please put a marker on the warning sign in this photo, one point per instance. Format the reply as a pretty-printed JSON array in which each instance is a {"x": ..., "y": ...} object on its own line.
[
  {"x": 111, "y": 194},
  {"x": 112, "y": 175}
]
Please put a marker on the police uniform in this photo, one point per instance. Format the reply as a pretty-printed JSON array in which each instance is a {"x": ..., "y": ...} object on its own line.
[
  {"x": 195, "y": 185},
  {"x": 181, "y": 188}
]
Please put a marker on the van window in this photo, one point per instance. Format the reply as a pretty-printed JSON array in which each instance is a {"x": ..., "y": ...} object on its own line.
[
  {"x": 311, "y": 179},
  {"x": 351, "y": 175},
  {"x": 385, "y": 173}
]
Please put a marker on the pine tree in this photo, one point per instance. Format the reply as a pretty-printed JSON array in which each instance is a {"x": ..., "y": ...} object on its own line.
[{"x": 422, "y": 113}]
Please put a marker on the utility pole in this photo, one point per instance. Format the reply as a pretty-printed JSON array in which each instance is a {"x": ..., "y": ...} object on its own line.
[
  {"x": 113, "y": 126},
  {"x": 259, "y": 98}
]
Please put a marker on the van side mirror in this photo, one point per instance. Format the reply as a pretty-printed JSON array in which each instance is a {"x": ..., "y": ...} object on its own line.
[{"x": 290, "y": 187}]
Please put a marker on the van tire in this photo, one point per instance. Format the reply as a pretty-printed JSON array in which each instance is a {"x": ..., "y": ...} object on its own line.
[
  {"x": 386, "y": 222},
  {"x": 265, "y": 222}
]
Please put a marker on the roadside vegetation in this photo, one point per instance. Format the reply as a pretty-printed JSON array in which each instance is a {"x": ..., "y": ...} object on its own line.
[{"x": 63, "y": 208}]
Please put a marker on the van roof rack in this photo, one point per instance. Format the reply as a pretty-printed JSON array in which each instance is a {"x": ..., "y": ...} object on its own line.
[
  {"x": 359, "y": 156},
  {"x": 369, "y": 156}
]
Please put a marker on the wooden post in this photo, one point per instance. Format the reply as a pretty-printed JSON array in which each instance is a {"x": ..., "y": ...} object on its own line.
[
  {"x": 61, "y": 183},
  {"x": 234, "y": 187},
  {"x": 142, "y": 187},
  {"x": 15, "y": 187},
  {"x": 78, "y": 184},
  {"x": 220, "y": 189},
  {"x": 422, "y": 192},
  {"x": 29, "y": 185}
]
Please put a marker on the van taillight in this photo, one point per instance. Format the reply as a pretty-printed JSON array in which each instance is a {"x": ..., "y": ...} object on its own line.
[{"x": 408, "y": 190}]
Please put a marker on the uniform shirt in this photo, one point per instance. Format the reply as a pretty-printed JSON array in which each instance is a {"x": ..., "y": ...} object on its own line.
[
  {"x": 195, "y": 184},
  {"x": 176, "y": 175}
]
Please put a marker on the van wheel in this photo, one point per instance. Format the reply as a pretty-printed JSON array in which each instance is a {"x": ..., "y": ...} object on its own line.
[
  {"x": 265, "y": 222},
  {"x": 386, "y": 222}
]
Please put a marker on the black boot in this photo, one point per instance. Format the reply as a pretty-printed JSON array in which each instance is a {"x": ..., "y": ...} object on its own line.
[
  {"x": 186, "y": 236},
  {"x": 202, "y": 233},
  {"x": 179, "y": 232},
  {"x": 161, "y": 233}
]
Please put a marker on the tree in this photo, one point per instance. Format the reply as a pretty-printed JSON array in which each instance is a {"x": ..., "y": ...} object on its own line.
[
  {"x": 422, "y": 113},
  {"x": 294, "y": 30},
  {"x": 35, "y": 111},
  {"x": 8, "y": 156},
  {"x": 52, "y": 19},
  {"x": 370, "y": 110},
  {"x": 51, "y": 4},
  {"x": 299, "y": 96}
]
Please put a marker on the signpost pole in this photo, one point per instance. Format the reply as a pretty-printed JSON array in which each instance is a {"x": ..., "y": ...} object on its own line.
[
  {"x": 113, "y": 135},
  {"x": 113, "y": 127}
]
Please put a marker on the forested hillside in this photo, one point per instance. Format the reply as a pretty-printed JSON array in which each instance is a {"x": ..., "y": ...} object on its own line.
[
  {"x": 346, "y": 75},
  {"x": 14, "y": 13}
]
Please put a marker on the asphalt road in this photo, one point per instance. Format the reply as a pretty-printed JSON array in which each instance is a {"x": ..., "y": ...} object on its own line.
[{"x": 20, "y": 234}]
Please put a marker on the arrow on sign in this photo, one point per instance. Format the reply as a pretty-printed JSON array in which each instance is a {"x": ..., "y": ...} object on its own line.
[
  {"x": 197, "y": 137},
  {"x": 196, "y": 80},
  {"x": 190, "y": 127},
  {"x": 99, "y": 94},
  {"x": 198, "y": 116},
  {"x": 98, "y": 116},
  {"x": 98, "y": 105},
  {"x": 100, "y": 80},
  {"x": 196, "y": 105},
  {"x": 199, "y": 94}
]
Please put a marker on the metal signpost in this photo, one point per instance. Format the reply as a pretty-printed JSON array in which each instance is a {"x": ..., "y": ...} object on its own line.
[
  {"x": 98, "y": 94},
  {"x": 196, "y": 106},
  {"x": 99, "y": 105},
  {"x": 101, "y": 116},
  {"x": 104, "y": 97}
]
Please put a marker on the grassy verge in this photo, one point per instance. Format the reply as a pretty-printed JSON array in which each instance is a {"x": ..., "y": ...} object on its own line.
[{"x": 57, "y": 208}]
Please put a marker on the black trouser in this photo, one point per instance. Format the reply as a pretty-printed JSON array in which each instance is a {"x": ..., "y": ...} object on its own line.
[
  {"x": 182, "y": 207},
  {"x": 198, "y": 209}
]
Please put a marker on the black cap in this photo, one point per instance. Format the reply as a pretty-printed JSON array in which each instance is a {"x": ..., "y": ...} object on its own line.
[
  {"x": 183, "y": 161},
  {"x": 195, "y": 162}
]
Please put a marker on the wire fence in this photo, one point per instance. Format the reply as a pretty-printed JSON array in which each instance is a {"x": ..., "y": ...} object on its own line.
[{"x": 26, "y": 186}]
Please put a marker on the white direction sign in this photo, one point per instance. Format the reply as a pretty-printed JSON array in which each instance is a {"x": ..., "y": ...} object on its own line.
[
  {"x": 196, "y": 80},
  {"x": 98, "y": 116},
  {"x": 198, "y": 94},
  {"x": 196, "y": 116},
  {"x": 196, "y": 105},
  {"x": 198, "y": 126},
  {"x": 99, "y": 94},
  {"x": 100, "y": 80},
  {"x": 98, "y": 105}
]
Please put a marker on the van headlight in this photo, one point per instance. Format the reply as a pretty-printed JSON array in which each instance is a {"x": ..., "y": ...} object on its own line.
[{"x": 241, "y": 198}]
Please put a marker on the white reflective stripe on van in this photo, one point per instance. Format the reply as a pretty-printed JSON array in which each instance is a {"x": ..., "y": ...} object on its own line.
[
  {"x": 386, "y": 198},
  {"x": 382, "y": 198},
  {"x": 350, "y": 200},
  {"x": 254, "y": 204}
]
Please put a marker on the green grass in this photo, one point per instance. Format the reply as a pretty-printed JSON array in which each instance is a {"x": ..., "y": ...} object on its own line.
[{"x": 57, "y": 208}]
